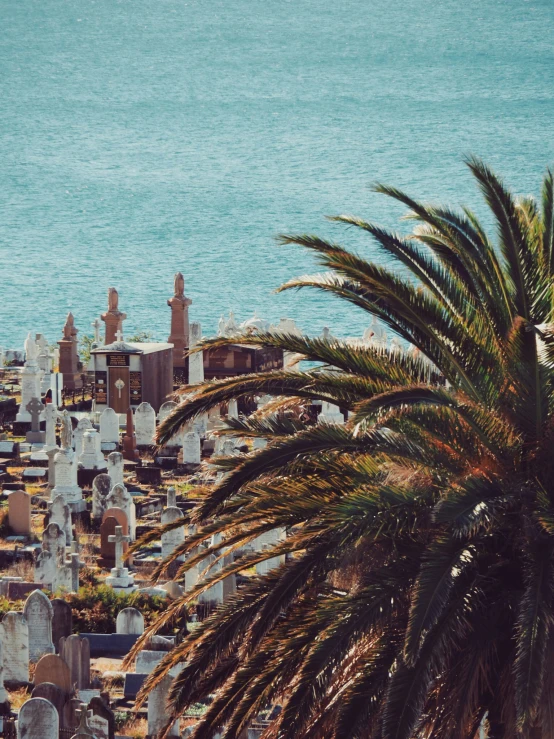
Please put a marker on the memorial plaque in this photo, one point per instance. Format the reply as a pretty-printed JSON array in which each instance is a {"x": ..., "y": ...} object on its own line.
[
  {"x": 118, "y": 360},
  {"x": 101, "y": 387},
  {"x": 135, "y": 381}
]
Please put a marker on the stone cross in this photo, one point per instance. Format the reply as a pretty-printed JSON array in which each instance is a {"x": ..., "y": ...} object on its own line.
[
  {"x": 83, "y": 714},
  {"x": 96, "y": 325},
  {"x": 119, "y": 335},
  {"x": 35, "y": 408},
  {"x": 119, "y": 540}
]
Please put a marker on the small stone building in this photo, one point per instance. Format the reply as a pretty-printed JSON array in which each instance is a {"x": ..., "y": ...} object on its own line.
[
  {"x": 240, "y": 359},
  {"x": 129, "y": 373}
]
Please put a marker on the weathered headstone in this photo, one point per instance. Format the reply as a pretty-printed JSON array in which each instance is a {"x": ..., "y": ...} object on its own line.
[
  {"x": 62, "y": 622},
  {"x": 51, "y": 418},
  {"x": 191, "y": 448},
  {"x": 14, "y": 635},
  {"x": 39, "y": 614},
  {"x": 174, "y": 538},
  {"x": 52, "y": 693},
  {"x": 101, "y": 487},
  {"x": 76, "y": 654},
  {"x": 120, "y": 579},
  {"x": 109, "y": 426},
  {"x": 171, "y": 500},
  {"x": 196, "y": 360},
  {"x": 83, "y": 425},
  {"x": 19, "y": 512},
  {"x": 60, "y": 513},
  {"x": 3, "y": 692},
  {"x": 65, "y": 473},
  {"x": 145, "y": 424},
  {"x": 129, "y": 621},
  {"x": 167, "y": 409},
  {"x": 31, "y": 375},
  {"x": 102, "y": 720},
  {"x": 38, "y": 719},
  {"x": 115, "y": 468},
  {"x": 51, "y": 568},
  {"x": 120, "y": 497}
]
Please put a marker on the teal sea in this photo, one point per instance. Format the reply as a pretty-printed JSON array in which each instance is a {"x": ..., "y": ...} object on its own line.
[{"x": 139, "y": 138}]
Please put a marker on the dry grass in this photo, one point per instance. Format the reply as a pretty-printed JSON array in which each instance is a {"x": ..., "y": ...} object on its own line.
[
  {"x": 137, "y": 728},
  {"x": 23, "y": 569},
  {"x": 18, "y": 698}
]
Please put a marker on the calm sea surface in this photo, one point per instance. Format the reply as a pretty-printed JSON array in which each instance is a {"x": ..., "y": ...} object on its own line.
[{"x": 138, "y": 138}]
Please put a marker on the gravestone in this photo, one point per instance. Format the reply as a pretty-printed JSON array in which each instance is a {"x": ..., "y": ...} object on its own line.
[
  {"x": 196, "y": 360},
  {"x": 130, "y": 451},
  {"x": 62, "y": 622},
  {"x": 83, "y": 425},
  {"x": 51, "y": 418},
  {"x": 157, "y": 707},
  {"x": 109, "y": 426},
  {"x": 166, "y": 409},
  {"x": 52, "y": 669},
  {"x": 14, "y": 635},
  {"x": 145, "y": 424},
  {"x": 115, "y": 468},
  {"x": 76, "y": 654},
  {"x": 39, "y": 614},
  {"x": 65, "y": 474},
  {"x": 35, "y": 409},
  {"x": 52, "y": 693},
  {"x": 120, "y": 579},
  {"x": 91, "y": 458},
  {"x": 171, "y": 501},
  {"x": 174, "y": 538},
  {"x": 102, "y": 721},
  {"x": 330, "y": 413},
  {"x": 191, "y": 448},
  {"x": 101, "y": 486},
  {"x": 120, "y": 497},
  {"x": 4, "y": 704},
  {"x": 129, "y": 621},
  {"x": 38, "y": 719},
  {"x": 107, "y": 548},
  {"x": 60, "y": 513},
  {"x": 30, "y": 377},
  {"x": 19, "y": 512},
  {"x": 51, "y": 568}
]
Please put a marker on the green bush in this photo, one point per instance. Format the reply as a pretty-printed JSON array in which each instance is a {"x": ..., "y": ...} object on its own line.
[{"x": 95, "y": 608}]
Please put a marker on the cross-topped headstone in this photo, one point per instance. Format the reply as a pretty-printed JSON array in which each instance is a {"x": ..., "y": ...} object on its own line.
[
  {"x": 96, "y": 325},
  {"x": 35, "y": 408},
  {"x": 119, "y": 335},
  {"x": 119, "y": 540},
  {"x": 83, "y": 714}
]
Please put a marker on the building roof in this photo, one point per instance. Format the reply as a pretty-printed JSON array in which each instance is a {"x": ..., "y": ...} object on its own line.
[{"x": 132, "y": 347}]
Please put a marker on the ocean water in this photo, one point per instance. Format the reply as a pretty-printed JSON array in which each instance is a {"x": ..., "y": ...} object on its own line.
[{"x": 139, "y": 138}]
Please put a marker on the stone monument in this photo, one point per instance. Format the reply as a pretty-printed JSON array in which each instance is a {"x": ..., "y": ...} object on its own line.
[
  {"x": 31, "y": 376},
  {"x": 70, "y": 365},
  {"x": 179, "y": 335},
  {"x": 120, "y": 579},
  {"x": 113, "y": 317},
  {"x": 39, "y": 614},
  {"x": 145, "y": 424}
]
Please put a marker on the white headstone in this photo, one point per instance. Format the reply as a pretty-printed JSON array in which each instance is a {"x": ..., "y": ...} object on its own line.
[
  {"x": 65, "y": 475},
  {"x": 14, "y": 635},
  {"x": 174, "y": 538},
  {"x": 3, "y": 691},
  {"x": 115, "y": 468},
  {"x": 60, "y": 513},
  {"x": 109, "y": 426},
  {"x": 129, "y": 621},
  {"x": 83, "y": 425},
  {"x": 191, "y": 448},
  {"x": 145, "y": 424},
  {"x": 38, "y": 719},
  {"x": 171, "y": 497},
  {"x": 39, "y": 614},
  {"x": 165, "y": 410},
  {"x": 51, "y": 568},
  {"x": 120, "y": 579},
  {"x": 91, "y": 458},
  {"x": 330, "y": 413},
  {"x": 50, "y": 417},
  {"x": 196, "y": 360}
]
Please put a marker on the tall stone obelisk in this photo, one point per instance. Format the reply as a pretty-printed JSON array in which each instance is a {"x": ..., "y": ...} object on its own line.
[
  {"x": 113, "y": 317},
  {"x": 179, "y": 335},
  {"x": 69, "y": 356}
]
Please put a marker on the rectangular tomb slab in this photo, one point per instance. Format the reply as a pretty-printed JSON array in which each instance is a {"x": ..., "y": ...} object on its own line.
[
  {"x": 35, "y": 473},
  {"x": 110, "y": 645},
  {"x": 9, "y": 449},
  {"x": 133, "y": 683}
]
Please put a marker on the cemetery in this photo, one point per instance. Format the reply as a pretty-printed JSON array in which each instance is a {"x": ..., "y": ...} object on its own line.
[{"x": 91, "y": 507}]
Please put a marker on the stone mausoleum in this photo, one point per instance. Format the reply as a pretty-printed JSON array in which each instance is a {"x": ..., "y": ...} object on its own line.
[{"x": 128, "y": 373}]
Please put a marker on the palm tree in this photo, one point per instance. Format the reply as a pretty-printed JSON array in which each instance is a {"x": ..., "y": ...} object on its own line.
[{"x": 417, "y": 596}]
